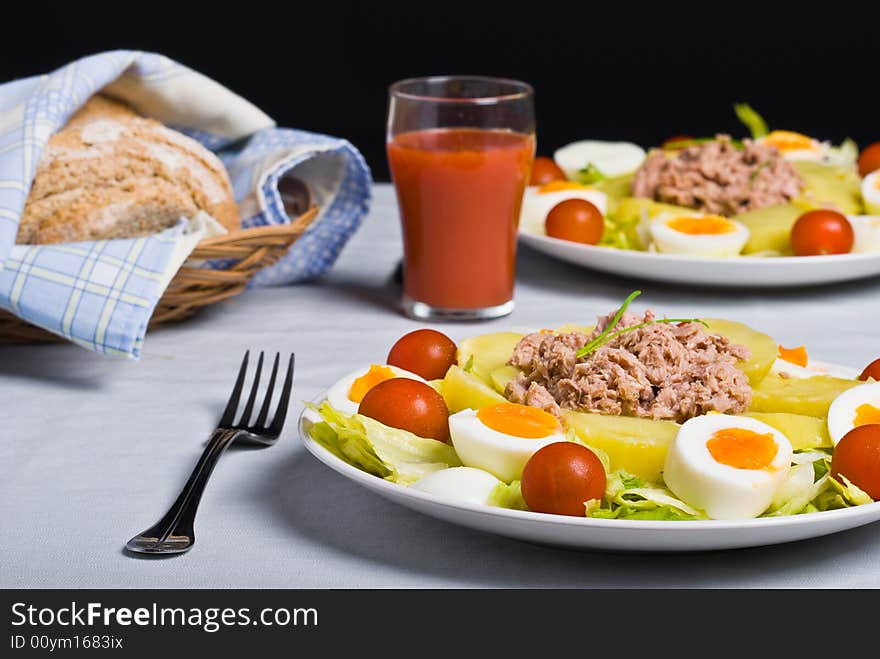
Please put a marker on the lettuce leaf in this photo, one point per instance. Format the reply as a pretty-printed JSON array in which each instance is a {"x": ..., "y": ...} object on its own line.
[
  {"x": 851, "y": 493},
  {"x": 395, "y": 455},
  {"x": 508, "y": 496}
]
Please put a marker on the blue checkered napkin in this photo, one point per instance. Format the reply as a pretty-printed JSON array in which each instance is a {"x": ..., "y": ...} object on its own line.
[{"x": 101, "y": 294}]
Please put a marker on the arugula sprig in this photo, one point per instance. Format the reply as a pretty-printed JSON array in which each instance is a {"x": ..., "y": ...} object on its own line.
[{"x": 608, "y": 334}]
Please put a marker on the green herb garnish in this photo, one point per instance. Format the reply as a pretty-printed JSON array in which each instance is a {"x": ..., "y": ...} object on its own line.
[
  {"x": 608, "y": 334},
  {"x": 751, "y": 120}
]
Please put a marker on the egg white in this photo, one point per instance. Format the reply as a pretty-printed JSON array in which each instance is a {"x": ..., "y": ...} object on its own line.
[
  {"x": 669, "y": 241},
  {"x": 842, "y": 412},
  {"x": 722, "y": 491},
  {"x": 460, "y": 484},
  {"x": 871, "y": 192},
  {"x": 812, "y": 369},
  {"x": 610, "y": 158},
  {"x": 537, "y": 205},
  {"x": 337, "y": 395},
  {"x": 500, "y": 454}
]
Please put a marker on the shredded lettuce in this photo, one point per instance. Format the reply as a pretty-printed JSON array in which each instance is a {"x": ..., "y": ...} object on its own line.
[
  {"x": 629, "y": 497},
  {"x": 844, "y": 156},
  {"x": 752, "y": 120},
  {"x": 508, "y": 496},
  {"x": 589, "y": 174},
  {"x": 851, "y": 493},
  {"x": 395, "y": 455}
]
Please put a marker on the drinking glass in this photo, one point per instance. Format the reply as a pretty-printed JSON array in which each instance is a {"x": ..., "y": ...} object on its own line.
[{"x": 460, "y": 150}]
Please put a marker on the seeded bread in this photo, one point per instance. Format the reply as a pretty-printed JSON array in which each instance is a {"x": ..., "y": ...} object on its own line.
[{"x": 110, "y": 173}]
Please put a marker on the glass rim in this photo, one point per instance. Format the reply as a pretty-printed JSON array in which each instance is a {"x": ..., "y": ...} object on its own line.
[{"x": 525, "y": 89}]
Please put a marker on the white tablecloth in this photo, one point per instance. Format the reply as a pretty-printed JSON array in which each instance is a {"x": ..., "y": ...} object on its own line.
[{"x": 93, "y": 450}]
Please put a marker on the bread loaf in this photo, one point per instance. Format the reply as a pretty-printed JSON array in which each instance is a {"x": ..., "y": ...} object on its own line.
[{"x": 110, "y": 173}]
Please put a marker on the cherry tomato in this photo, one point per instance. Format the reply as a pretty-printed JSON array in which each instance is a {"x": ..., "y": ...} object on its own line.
[
  {"x": 545, "y": 170},
  {"x": 409, "y": 405},
  {"x": 822, "y": 232},
  {"x": 869, "y": 160},
  {"x": 857, "y": 456},
  {"x": 425, "y": 352},
  {"x": 872, "y": 370},
  {"x": 560, "y": 477},
  {"x": 577, "y": 220},
  {"x": 674, "y": 141}
]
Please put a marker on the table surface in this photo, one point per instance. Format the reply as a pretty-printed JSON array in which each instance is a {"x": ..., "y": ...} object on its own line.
[{"x": 93, "y": 450}]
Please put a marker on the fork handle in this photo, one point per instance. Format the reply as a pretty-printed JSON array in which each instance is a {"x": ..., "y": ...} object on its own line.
[{"x": 177, "y": 523}]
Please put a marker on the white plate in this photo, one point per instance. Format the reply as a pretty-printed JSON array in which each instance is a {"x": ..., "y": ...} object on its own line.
[
  {"x": 736, "y": 271},
  {"x": 607, "y": 534}
]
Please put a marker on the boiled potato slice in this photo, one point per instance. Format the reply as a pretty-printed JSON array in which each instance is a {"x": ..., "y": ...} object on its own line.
[
  {"x": 501, "y": 376},
  {"x": 770, "y": 228},
  {"x": 762, "y": 347},
  {"x": 489, "y": 352},
  {"x": 808, "y": 396},
  {"x": 636, "y": 445},
  {"x": 803, "y": 432},
  {"x": 573, "y": 327},
  {"x": 462, "y": 390}
]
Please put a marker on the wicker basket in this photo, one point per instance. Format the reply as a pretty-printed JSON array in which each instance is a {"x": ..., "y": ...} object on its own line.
[{"x": 193, "y": 286}]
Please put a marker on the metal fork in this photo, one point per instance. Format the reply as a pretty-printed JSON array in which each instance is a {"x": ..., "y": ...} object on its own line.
[{"x": 173, "y": 534}]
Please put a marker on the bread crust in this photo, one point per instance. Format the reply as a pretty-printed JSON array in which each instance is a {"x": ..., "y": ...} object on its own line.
[{"x": 110, "y": 173}]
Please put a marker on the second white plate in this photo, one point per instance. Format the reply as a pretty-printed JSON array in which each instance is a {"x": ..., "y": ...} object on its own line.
[{"x": 733, "y": 272}]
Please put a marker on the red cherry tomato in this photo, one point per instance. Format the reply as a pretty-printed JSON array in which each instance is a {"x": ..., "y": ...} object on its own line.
[
  {"x": 822, "y": 232},
  {"x": 869, "y": 160},
  {"x": 577, "y": 220},
  {"x": 872, "y": 370},
  {"x": 408, "y": 405},
  {"x": 560, "y": 477},
  {"x": 545, "y": 170},
  {"x": 675, "y": 141},
  {"x": 425, "y": 352},
  {"x": 857, "y": 456}
]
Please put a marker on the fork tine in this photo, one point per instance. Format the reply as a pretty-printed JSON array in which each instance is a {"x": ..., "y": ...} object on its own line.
[
  {"x": 232, "y": 404},
  {"x": 249, "y": 406},
  {"x": 281, "y": 411},
  {"x": 264, "y": 411}
]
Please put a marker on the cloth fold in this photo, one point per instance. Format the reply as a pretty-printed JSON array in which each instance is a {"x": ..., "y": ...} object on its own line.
[{"x": 101, "y": 294}]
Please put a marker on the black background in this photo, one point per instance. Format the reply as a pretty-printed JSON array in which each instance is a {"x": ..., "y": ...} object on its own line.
[{"x": 636, "y": 70}]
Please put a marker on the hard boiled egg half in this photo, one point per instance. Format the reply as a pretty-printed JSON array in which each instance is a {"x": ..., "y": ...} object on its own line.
[
  {"x": 346, "y": 395},
  {"x": 501, "y": 438},
  {"x": 858, "y": 406},
  {"x": 538, "y": 201},
  {"x": 609, "y": 159},
  {"x": 728, "y": 466},
  {"x": 796, "y": 363},
  {"x": 697, "y": 234},
  {"x": 459, "y": 483},
  {"x": 796, "y": 146},
  {"x": 871, "y": 192}
]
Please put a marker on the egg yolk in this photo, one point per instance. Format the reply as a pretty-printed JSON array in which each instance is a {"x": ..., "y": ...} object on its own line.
[
  {"x": 368, "y": 380},
  {"x": 796, "y": 356},
  {"x": 866, "y": 414},
  {"x": 786, "y": 140},
  {"x": 556, "y": 186},
  {"x": 518, "y": 420},
  {"x": 741, "y": 448},
  {"x": 708, "y": 225}
]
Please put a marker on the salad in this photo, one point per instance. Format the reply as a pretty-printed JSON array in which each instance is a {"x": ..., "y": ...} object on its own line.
[
  {"x": 635, "y": 417},
  {"x": 773, "y": 193}
]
